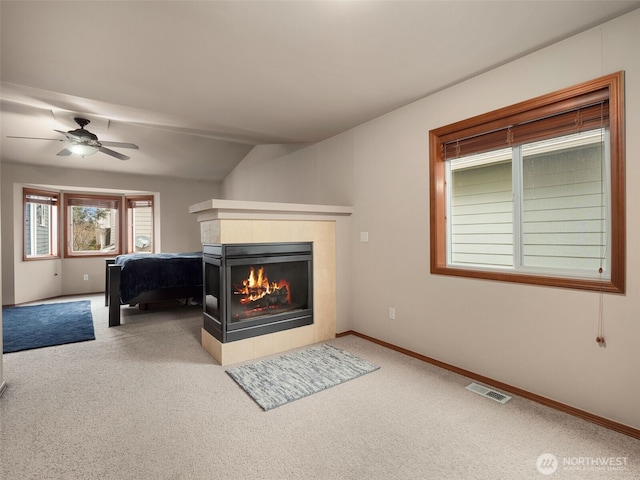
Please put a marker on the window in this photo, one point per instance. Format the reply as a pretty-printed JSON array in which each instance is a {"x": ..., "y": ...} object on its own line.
[
  {"x": 140, "y": 224},
  {"x": 92, "y": 225},
  {"x": 534, "y": 193},
  {"x": 41, "y": 224}
]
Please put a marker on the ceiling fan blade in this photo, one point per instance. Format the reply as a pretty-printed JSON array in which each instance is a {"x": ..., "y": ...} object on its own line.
[
  {"x": 113, "y": 154},
  {"x": 119, "y": 144},
  {"x": 64, "y": 153},
  {"x": 37, "y": 138},
  {"x": 73, "y": 138}
]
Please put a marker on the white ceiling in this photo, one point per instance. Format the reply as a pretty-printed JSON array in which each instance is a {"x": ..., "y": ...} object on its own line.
[{"x": 197, "y": 84}]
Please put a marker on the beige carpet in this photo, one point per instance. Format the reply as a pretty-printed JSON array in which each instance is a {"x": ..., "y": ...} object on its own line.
[{"x": 145, "y": 401}]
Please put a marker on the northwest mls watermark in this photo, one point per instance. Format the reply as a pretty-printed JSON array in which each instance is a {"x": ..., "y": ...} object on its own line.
[{"x": 548, "y": 464}]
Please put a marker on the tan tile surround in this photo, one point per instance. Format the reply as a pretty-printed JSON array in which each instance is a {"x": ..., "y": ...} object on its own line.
[{"x": 226, "y": 221}]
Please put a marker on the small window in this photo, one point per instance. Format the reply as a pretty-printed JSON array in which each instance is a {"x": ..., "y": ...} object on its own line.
[
  {"x": 140, "y": 224},
  {"x": 92, "y": 225},
  {"x": 535, "y": 192},
  {"x": 41, "y": 224}
]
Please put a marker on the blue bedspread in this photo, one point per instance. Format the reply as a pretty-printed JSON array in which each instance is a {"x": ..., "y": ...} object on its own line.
[{"x": 144, "y": 272}]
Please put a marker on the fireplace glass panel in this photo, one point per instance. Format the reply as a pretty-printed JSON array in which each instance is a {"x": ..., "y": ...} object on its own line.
[
  {"x": 255, "y": 289},
  {"x": 268, "y": 289},
  {"x": 212, "y": 289}
]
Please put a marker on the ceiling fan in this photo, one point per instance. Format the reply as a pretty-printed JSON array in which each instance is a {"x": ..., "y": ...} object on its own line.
[{"x": 82, "y": 142}]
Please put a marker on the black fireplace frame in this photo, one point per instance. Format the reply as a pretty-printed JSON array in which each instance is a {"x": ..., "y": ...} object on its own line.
[{"x": 226, "y": 256}]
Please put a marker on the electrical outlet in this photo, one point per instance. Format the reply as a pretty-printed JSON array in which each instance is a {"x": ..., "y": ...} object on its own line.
[
  {"x": 392, "y": 313},
  {"x": 364, "y": 237},
  {"x": 85, "y": 277}
]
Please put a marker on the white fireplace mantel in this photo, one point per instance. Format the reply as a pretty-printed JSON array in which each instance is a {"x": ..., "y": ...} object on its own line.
[{"x": 217, "y": 209}]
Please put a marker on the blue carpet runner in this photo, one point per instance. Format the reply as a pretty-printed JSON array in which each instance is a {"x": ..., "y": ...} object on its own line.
[{"x": 36, "y": 326}]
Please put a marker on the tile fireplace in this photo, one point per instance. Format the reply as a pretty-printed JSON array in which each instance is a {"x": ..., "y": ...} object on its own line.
[{"x": 229, "y": 222}]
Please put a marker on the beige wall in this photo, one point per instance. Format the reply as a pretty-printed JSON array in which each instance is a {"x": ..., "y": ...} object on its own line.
[
  {"x": 539, "y": 339},
  {"x": 177, "y": 230},
  {"x": 321, "y": 175}
]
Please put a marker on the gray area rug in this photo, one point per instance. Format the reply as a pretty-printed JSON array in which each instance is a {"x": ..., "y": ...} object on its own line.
[{"x": 276, "y": 381}]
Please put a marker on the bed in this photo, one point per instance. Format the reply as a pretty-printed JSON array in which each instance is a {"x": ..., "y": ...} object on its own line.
[{"x": 146, "y": 278}]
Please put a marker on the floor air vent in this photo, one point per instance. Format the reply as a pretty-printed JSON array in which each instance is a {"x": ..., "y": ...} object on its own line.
[{"x": 487, "y": 392}]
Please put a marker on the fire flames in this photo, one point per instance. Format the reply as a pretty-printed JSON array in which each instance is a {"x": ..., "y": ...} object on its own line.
[{"x": 257, "y": 286}]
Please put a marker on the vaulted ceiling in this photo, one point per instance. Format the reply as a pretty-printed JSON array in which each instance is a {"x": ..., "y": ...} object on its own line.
[{"x": 197, "y": 84}]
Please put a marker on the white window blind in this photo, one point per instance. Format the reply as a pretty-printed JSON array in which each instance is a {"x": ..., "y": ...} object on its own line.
[
  {"x": 481, "y": 214},
  {"x": 537, "y": 207},
  {"x": 564, "y": 206}
]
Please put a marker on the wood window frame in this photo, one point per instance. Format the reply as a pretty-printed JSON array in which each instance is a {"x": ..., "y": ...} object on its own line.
[
  {"x": 73, "y": 199},
  {"x": 545, "y": 105},
  {"x": 130, "y": 202},
  {"x": 55, "y": 228}
]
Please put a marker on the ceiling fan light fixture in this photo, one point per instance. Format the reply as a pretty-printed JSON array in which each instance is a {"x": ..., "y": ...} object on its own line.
[
  {"x": 84, "y": 143},
  {"x": 82, "y": 150}
]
